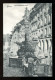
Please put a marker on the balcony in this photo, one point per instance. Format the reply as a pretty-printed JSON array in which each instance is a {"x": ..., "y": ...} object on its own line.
[
  {"x": 35, "y": 39},
  {"x": 41, "y": 36}
]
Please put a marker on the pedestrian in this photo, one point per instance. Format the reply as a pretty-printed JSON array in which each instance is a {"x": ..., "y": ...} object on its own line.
[
  {"x": 23, "y": 63},
  {"x": 30, "y": 66}
]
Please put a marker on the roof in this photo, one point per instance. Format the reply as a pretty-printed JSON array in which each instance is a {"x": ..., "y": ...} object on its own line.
[{"x": 22, "y": 22}]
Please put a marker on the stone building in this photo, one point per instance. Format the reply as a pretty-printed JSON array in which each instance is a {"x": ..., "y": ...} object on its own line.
[
  {"x": 41, "y": 28},
  {"x": 17, "y": 37},
  {"x": 37, "y": 24}
]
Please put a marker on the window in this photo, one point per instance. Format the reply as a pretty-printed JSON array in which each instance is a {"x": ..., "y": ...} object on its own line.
[
  {"x": 45, "y": 32},
  {"x": 46, "y": 45},
  {"x": 49, "y": 30},
  {"x": 45, "y": 19},
  {"x": 51, "y": 17},
  {"x": 47, "y": 7},
  {"x": 42, "y": 45},
  {"x": 43, "y": 9},
  {"x": 41, "y": 23},
  {"x": 48, "y": 18}
]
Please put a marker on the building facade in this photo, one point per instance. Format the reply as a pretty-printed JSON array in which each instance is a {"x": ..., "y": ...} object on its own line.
[
  {"x": 37, "y": 24},
  {"x": 18, "y": 36},
  {"x": 41, "y": 28}
]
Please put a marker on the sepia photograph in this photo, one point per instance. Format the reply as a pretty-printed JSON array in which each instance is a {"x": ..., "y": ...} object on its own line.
[{"x": 27, "y": 40}]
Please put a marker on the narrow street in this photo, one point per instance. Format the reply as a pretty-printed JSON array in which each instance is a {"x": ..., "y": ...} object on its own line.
[{"x": 27, "y": 40}]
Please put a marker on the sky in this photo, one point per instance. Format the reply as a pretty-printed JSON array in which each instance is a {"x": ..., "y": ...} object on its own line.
[{"x": 12, "y": 14}]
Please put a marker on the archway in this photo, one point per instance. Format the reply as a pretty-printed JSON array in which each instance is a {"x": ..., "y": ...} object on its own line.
[
  {"x": 50, "y": 45},
  {"x": 39, "y": 44},
  {"x": 45, "y": 45},
  {"x": 42, "y": 45}
]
